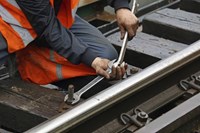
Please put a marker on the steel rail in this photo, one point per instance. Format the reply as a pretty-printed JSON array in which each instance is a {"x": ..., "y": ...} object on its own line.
[
  {"x": 119, "y": 91},
  {"x": 176, "y": 117}
]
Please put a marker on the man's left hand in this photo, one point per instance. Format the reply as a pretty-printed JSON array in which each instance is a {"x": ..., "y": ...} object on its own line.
[
  {"x": 127, "y": 21},
  {"x": 101, "y": 65}
]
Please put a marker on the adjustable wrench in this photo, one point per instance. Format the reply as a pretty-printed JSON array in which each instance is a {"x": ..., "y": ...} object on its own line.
[{"x": 77, "y": 95}]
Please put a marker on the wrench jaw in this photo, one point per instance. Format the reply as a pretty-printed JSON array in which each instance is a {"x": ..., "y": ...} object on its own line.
[
  {"x": 115, "y": 64},
  {"x": 66, "y": 99},
  {"x": 73, "y": 98},
  {"x": 111, "y": 64},
  {"x": 76, "y": 99}
]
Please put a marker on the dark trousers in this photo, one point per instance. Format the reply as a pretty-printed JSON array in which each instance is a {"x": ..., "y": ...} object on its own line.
[
  {"x": 7, "y": 60},
  {"x": 86, "y": 33}
]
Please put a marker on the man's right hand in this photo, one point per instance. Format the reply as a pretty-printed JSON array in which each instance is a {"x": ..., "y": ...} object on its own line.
[
  {"x": 127, "y": 21},
  {"x": 101, "y": 65}
]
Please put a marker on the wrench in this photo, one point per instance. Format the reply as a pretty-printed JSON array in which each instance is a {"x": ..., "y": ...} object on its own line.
[
  {"x": 77, "y": 95},
  {"x": 125, "y": 41}
]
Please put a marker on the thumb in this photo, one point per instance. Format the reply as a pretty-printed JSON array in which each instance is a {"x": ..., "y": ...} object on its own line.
[{"x": 101, "y": 71}]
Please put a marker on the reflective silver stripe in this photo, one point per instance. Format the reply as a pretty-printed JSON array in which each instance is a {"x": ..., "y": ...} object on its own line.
[
  {"x": 14, "y": 3},
  {"x": 7, "y": 17},
  {"x": 23, "y": 33},
  {"x": 59, "y": 71},
  {"x": 58, "y": 66},
  {"x": 74, "y": 11},
  {"x": 52, "y": 58}
]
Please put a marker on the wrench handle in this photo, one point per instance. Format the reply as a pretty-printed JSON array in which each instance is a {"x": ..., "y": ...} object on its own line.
[
  {"x": 122, "y": 51},
  {"x": 90, "y": 85},
  {"x": 134, "y": 6},
  {"x": 125, "y": 41},
  {"x": 95, "y": 81}
]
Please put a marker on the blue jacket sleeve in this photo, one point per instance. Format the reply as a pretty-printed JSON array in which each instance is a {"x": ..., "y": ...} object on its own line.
[
  {"x": 50, "y": 31},
  {"x": 117, "y": 4}
]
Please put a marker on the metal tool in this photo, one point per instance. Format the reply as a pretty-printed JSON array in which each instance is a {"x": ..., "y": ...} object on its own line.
[
  {"x": 125, "y": 41},
  {"x": 78, "y": 94}
]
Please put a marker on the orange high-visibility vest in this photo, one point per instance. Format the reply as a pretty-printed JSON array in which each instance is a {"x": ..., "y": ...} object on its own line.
[
  {"x": 39, "y": 65},
  {"x": 43, "y": 66},
  {"x": 11, "y": 21}
]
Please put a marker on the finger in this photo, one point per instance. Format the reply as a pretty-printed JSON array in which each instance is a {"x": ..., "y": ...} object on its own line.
[
  {"x": 132, "y": 29},
  {"x": 135, "y": 29},
  {"x": 131, "y": 32},
  {"x": 113, "y": 74},
  {"x": 123, "y": 70},
  {"x": 119, "y": 73},
  {"x": 122, "y": 31},
  {"x": 126, "y": 66},
  {"x": 137, "y": 22}
]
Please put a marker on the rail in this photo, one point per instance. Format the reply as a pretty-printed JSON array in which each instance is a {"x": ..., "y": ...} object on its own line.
[{"x": 117, "y": 92}]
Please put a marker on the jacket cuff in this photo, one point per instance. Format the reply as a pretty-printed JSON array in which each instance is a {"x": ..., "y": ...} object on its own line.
[
  {"x": 121, "y": 4},
  {"x": 88, "y": 57}
]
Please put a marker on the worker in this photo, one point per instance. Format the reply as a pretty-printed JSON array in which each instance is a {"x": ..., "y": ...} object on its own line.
[{"x": 52, "y": 43}]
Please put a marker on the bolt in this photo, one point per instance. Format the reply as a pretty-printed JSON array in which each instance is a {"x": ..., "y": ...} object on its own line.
[
  {"x": 134, "y": 70},
  {"x": 142, "y": 116},
  {"x": 70, "y": 94}
]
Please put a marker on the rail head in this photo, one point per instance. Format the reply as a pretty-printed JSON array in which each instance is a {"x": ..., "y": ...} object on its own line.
[{"x": 118, "y": 91}]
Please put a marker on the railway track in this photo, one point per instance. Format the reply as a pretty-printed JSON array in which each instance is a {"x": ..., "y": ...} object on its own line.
[{"x": 163, "y": 97}]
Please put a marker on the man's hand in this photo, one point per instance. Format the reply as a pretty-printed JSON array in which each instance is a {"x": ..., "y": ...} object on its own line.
[
  {"x": 101, "y": 65},
  {"x": 127, "y": 21}
]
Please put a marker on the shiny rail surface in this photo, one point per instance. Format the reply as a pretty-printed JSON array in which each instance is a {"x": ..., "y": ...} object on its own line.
[{"x": 117, "y": 92}]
